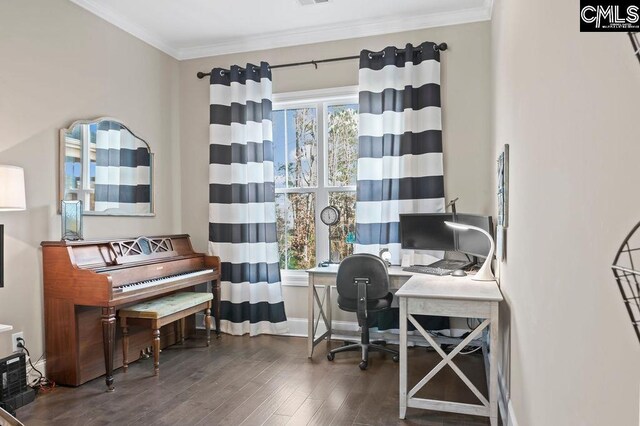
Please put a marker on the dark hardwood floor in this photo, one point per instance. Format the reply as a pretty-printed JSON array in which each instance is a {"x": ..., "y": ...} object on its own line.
[{"x": 264, "y": 380}]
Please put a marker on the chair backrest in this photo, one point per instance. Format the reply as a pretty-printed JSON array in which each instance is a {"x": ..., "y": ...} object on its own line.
[{"x": 363, "y": 265}]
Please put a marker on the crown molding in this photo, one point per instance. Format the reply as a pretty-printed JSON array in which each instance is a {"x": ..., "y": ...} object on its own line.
[
  {"x": 337, "y": 32},
  {"x": 124, "y": 24},
  {"x": 488, "y": 4},
  {"x": 296, "y": 37}
]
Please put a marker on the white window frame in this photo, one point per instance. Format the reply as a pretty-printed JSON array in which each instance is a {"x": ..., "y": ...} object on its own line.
[
  {"x": 84, "y": 191},
  {"x": 320, "y": 99}
]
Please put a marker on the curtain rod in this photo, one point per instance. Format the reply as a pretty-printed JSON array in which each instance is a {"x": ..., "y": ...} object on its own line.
[{"x": 441, "y": 47}]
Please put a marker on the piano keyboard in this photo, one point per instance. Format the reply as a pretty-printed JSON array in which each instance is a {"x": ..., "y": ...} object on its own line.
[{"x": 158, "y": 281}]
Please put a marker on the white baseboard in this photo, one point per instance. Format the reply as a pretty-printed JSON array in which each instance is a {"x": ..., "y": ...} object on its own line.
[
  {"x": 298, "y": 327},
  {"x": 512, "y": 415},
  {"x": 503, "y": 397},
  {"x": 505, "y": 405}
]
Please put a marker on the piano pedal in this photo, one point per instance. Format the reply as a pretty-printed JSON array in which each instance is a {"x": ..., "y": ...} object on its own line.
[
  {"x": 144, "y": 354},
  {"x": 149, "y": 350}
]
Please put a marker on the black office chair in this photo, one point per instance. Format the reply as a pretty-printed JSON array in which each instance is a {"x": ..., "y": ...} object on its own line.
[{"x": 363, "y": 287}]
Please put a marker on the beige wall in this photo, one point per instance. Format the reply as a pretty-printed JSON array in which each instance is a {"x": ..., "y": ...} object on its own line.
[
  {"x": 567, "y": 103},
  {"x": 59, "y": 64},
  {"x": 466, "y": 93}
]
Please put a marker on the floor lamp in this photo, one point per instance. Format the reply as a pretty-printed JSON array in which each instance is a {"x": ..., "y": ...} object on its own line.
[{"x": 12, "y": 198}]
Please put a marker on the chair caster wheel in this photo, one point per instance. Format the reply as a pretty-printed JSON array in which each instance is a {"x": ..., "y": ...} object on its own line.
[
  {"x": 396, "y": 358},
  {"x": 330, "y": 357},
  {"x": 363, "y": 365}
]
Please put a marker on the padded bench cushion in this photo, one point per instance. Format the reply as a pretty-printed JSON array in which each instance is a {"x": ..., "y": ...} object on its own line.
[{"x": 165, "y": 306}]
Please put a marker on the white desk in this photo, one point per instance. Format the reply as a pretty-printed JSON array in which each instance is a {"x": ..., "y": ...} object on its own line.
[
  {"x": 321, "y": 279},
  {"x": 454, "y": 297}
]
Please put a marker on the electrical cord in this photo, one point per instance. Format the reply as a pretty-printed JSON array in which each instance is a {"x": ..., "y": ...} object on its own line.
[
  {"x": 41, "y": 383},
  {"x": 476, "y": 348},
  {"x": 471, "y": 319},
  {"x": 470, "y": 351}
]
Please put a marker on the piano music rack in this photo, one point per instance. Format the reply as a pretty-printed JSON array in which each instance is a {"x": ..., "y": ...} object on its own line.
[{"x": 128, "y": 251}]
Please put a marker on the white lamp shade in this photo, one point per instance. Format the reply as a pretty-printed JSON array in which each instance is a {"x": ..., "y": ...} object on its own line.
[
  {"x": 484, "y": 274},
  {"x": 12, "y": 195}
]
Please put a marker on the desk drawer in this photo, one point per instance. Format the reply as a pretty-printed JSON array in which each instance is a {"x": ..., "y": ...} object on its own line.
[
  {"x": 395, "y": 281},
  {"x": 450, "y": 308}
]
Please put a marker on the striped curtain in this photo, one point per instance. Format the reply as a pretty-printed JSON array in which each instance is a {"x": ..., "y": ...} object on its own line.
[
  {"x": 123, "y": 170},
  {"x": 400, "y": 143},
  {"x": 242, "y": 212}
]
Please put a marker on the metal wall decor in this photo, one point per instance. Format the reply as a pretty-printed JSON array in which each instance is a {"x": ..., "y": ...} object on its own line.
[
  {"x": 635, "y": 43},
  {"x": 71, "y": 220},
  {"x": 503, "y": 187},
  {"x": 503, "y": 203},
  {"x": 626, "y": 270}
]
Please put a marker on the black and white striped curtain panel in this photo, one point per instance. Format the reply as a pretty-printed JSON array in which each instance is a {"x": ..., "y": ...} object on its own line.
[
  {"x": 400, "y": 143},
  {"x": 122, "y": 170},
  {"x": 242, "y": 212}
]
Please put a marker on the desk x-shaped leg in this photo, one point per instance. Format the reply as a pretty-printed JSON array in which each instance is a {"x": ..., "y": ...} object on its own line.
[
  {"x": 324, "y": 312},
  {"x": 447, "y": 359}
]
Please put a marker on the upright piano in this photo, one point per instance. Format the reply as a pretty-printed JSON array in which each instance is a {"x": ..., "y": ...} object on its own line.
[{"x": 85, "y": 282}]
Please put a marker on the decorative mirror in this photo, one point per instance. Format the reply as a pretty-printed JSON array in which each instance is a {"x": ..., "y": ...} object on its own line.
[{"x": 107, "y": 167}]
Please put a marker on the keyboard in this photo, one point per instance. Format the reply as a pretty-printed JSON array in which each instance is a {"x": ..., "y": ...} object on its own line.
[
  {"x": 428, "y": 270},
  {"x": 451, "y": 264}
]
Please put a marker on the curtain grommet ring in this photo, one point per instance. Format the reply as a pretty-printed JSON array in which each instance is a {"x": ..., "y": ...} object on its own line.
[
  {"x": 221, "y": 73},
  {"x": 383, "y": 53},
  {"x": 370, "y": 55}
]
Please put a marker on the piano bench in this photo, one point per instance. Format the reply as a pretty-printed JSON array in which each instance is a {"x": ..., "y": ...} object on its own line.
[{"x": 162, "y": 311}]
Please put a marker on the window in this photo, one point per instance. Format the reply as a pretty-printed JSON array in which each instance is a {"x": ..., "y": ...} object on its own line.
[
  {"x": 315, "y": 138},
  {"x": 80, "y": 165}
]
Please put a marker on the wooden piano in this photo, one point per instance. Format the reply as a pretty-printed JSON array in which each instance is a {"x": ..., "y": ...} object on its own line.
[{"x": 85, "y": 282}]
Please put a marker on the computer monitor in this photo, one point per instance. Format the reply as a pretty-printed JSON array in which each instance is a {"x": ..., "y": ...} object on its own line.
[
  {"x": 426, "y": 231},
  {"x": 473, "y": 242}
]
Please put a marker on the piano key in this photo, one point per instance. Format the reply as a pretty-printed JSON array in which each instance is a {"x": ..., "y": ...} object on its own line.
[{"x": 158, "y": 281}]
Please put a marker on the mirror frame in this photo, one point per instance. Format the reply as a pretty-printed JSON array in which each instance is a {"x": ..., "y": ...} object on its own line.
[{"x": 61, "y": 163}]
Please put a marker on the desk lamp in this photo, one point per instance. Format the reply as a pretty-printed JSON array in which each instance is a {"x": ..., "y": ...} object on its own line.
[
  {"x": 484, "y": 274},
  {"x": 12, "y": 198}
]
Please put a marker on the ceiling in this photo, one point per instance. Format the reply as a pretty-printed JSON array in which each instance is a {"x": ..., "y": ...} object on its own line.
[{"x": 189, "y": 29}]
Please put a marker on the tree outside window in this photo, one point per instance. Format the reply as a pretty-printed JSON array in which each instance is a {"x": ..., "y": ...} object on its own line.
[{"x": 316, "y": 150}]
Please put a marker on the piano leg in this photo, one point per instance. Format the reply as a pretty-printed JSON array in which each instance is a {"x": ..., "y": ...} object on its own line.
[
  {"x": 207, "y": 321},
  {"x": 108, "y": 342},
  {"x": 156, "y": 348},
  {"x": 216, "y": 305},
  {"x": 125, "y": 344}
]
